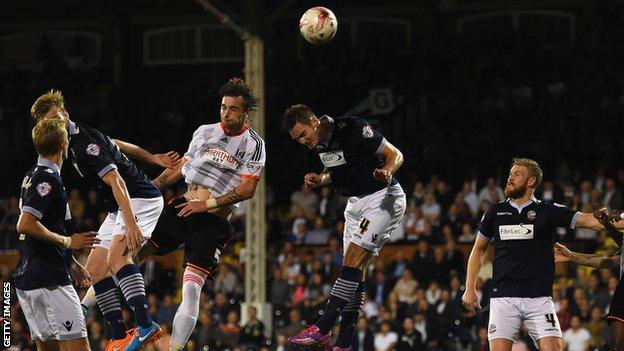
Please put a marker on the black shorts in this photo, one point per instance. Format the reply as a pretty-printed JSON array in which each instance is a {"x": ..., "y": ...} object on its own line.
[
  {"x": 204, "y": 236},
  {"x": 616, "y": 311}
]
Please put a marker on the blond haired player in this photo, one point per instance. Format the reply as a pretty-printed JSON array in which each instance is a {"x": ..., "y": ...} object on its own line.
[{"x": 42, "y": 280}]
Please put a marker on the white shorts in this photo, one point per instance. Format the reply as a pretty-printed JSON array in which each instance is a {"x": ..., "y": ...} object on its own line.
[
  {"x": 53, "y": 313},
  {"x": 370, "y": 219},
  {"x": 146, "y": 211},
  {"x": 537, "y": 313}
]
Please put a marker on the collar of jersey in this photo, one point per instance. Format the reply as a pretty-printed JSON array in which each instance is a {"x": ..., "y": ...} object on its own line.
[
  {"x": 329, "y": 122},
  {"x": 524, "y": 205},
  {"x": 73, "y": 128},
  {"x": 46, "y": 163},
  {"x": 245, "y": 127}
]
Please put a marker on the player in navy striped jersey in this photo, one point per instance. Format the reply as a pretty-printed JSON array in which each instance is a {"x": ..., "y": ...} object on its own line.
[
  {"x": 222, "y": 168},
  {"x": 521, "y": 230}
]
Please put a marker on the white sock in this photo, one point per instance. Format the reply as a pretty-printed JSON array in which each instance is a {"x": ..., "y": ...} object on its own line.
[
  {"x": 89, "y": 299},
  {"x": 186, "y": 316}
]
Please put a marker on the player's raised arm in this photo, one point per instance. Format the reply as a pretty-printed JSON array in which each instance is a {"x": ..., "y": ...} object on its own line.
[
  {"x": 169, "y": 176},
  {"x": 168, "y": 160},
  {"x": 563, "y": 254},
  {"x": 393, "y": 160}
]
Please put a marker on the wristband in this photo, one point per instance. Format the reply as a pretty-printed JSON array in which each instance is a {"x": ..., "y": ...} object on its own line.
[
  {"x": 211, "y": 203},
  {"x": 67, "y": 242}
]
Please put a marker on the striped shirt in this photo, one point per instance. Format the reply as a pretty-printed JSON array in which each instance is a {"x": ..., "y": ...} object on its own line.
[{"x": 219, "y": 162}]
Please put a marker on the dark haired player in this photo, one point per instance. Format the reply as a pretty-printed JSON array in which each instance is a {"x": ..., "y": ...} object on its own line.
[
  {"x": 42, "y": 281},
  {"x": 359, "y": 163},
  {"x": 222, "y": 167},
  {"x": 522, "y": 230}
]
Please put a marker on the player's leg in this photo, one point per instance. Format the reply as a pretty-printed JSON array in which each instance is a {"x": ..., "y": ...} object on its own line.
[
  {"x": 616, "y": 327},
  {"x": 106, "y": 291},
  {"x": 188, "y": 311},
  {"x": 75, "y": 344},
  {"x": 202, "y": 260},
  {"x": 48, "y": 345},
  {"x": 129, "y": 277},
  {"x": 504, "y": 323},
  {"x": 542, "y": 323},
  {"x": 383, "y": 212},
  {"x": 345, "y": 286}
]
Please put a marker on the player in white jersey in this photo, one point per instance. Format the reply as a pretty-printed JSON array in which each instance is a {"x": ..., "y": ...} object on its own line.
[{"x": 221, "y": 167}]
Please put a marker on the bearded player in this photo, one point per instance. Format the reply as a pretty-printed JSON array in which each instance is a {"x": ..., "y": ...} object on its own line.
[{"x": 522, "y": 231}]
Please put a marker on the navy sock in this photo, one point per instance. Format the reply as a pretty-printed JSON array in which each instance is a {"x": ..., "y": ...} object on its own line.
[
  {"x": 133, "y": 287},
  {"x": 109, "y": 299},
  {"x": 349, "y": 317},
  {"x": 341, "y": 294}
]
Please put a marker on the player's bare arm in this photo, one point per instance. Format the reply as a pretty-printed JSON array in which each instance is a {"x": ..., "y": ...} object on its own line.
[
  {"x": 563, "y": 254},
  {"x": 122, "y": 196},
  {"x": 169, "y": 176},
  {"x": 80, "y": 274},
  {"x": 30, "y": 225},
  {"x": 244, "y": 191},
  {"x": 393, "y": 160},
  {"x": 470, "y": 298},
  {"x": 315, "y": 180},
  {"x": 168, "y": 160},
  {"x": 587, "y": 220}
]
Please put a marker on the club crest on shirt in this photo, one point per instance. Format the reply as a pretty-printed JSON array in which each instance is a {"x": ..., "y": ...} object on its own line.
[
  {"x": 367, "y": 132},
  {"x": 240, "y": 153},
  {"x": 44, "y": 188},
  {"x": 93, "y": 149},
  {"x": 531, "y": 215}
]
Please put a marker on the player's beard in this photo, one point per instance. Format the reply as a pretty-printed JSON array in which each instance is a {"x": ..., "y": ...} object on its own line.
[{"x": 516, "y": 192}]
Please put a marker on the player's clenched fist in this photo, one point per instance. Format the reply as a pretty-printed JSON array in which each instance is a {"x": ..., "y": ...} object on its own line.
[{"x": 312, "y": 180}]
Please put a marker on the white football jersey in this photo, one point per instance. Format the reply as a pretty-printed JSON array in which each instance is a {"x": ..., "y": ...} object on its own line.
[{"x": 219, "y": 162}]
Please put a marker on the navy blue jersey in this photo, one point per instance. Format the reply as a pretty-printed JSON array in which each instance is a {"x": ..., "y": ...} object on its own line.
[
  {"x": 94, "y": 154},
  {"x": 42, "y": 195},
  {"x": 351, "y": 153},
  {"x": 523, "y": 238}
]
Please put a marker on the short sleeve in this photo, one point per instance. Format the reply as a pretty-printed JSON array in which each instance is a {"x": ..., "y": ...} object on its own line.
[
  {"x": 97, "y": 156},
  {"x": 195, "y": 143},
  {"x": 562, "y": 216},
  {"x": 254, "y": 165},
  {"x": 485, "y": 226},
  {"x": 38, "y": 195},
  {"x": 367, "y": 137}
]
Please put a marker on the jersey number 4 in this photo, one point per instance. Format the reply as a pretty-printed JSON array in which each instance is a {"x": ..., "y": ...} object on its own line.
[
  {"x": 364, "y": 225},
  {"x": 550, "y": 318}
]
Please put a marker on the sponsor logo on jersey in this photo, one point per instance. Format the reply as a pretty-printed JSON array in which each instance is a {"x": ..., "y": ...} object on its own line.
[
  {"x": 504, "y": 213},
  {"x": 44, "y": 188},
  {"x": 516, "y": 232},
  {"x": 221, "y": 158},
  {"x": 93, "y": 149},
  {"x": 333, "y": 158},
  {"x": 367, "y": 132},
  {"x": 49, "y": 170}
]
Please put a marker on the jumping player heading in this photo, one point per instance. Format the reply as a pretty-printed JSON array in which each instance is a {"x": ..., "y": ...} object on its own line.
[{"x": 360, "y": 164}]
